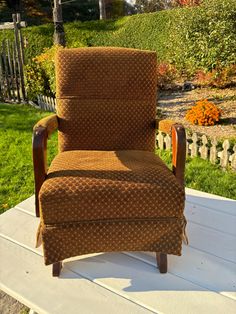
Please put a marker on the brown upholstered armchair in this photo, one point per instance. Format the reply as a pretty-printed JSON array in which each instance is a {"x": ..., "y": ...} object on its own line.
[{"x": 106, "y": 190}]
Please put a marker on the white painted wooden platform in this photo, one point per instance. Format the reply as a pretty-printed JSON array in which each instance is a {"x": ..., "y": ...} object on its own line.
[{"x": 202, "y": 281}]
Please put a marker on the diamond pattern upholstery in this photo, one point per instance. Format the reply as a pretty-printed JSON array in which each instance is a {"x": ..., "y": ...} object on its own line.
[
  {"x": 109, "y": 185},
  {"x": 106, "y": 99},
  {"x": 106, "y": 190}
]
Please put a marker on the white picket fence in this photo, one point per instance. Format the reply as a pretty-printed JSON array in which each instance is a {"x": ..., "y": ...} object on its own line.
[
  {"x": 47, "y": 103},
  {"x": 207, "y": 149}
]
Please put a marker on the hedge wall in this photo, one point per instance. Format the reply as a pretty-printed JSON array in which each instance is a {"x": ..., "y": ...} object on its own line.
[{"x": 191, "y": 38}]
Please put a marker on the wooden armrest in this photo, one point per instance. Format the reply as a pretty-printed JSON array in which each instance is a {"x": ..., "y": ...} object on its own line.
[
  {"x": 178, "y": 152},
  {"x": 50, "y": 123},
  {"x": 42, "y": 130},
  {"x": 178, "y": 146}
]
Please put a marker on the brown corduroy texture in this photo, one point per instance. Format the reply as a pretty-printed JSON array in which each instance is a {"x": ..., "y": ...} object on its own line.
[
  {"x": 106, "y": 190},
  {"x": 106, "y": 99}
]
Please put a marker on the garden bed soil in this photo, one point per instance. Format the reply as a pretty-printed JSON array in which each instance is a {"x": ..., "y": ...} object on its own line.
[{"x": 174, "y": 104}]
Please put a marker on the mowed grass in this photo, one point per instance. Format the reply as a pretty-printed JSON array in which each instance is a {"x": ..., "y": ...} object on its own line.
[
  {"x": 202, "y": 175},
  {"x": 17, "y": 180},
  {"x": 16, "y": 167}
]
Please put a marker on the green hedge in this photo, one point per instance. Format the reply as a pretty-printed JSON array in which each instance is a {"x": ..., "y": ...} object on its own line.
[
  {"x": 208, "y": 35},
  {"x": 198, "y": 37},
  {"x": 37, "y": 37}
]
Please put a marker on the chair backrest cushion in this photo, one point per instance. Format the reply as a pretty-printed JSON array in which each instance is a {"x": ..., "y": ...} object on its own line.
[{"x": 106, "y": 99}]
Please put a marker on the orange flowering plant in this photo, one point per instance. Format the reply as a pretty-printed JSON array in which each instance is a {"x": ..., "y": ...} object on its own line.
[{"x": 204, "y": 113}]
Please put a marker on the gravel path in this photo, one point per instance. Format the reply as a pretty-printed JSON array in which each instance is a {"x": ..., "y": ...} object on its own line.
[{"x": 173, "y": 105}]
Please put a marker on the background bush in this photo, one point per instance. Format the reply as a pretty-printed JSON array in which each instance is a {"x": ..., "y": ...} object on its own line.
[
  {"x": 40, "y": 74},
  {"x": 188, "y": 39},
  {"x": 36, "y": 81},
  {"x": 191, "y": 37},
  {"x": 208, "y": 35}
]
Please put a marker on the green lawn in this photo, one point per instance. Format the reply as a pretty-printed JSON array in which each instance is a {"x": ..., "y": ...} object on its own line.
[
  {"x": 16, "y": 180},
  {"x": 202, "y": 175}
]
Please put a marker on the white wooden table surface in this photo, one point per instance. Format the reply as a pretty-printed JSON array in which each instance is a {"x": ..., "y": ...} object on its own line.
[{"x": 202, "y": 281}]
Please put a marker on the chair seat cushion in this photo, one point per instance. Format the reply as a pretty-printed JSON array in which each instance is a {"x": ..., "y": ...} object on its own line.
[{"x": 103, "y": 185}]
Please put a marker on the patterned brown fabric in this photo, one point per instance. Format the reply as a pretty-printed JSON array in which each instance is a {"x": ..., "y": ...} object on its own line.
[
  {"x": 106, "y": 190},
  {"x": 61, "y": 241},
  {"x": 84, "y": 185},
  {"x": 106, "y": 99}
]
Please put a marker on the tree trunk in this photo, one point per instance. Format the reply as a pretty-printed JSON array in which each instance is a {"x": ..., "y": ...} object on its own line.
[
  {"x": 59, "y": 34},
  {"x": 102, "y": 9}
]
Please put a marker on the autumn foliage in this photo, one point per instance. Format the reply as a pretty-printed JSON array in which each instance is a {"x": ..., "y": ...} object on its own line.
[
  {"x": 166, "y": 74},
  {"x": 219, "y": 77},
  {"x": 204, "y": 113},
  {"x": 188, "y": 2}
]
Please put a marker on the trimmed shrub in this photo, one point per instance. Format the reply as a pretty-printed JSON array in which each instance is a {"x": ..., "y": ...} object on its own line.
[
  {"x": 191, "y": 37},
  {"x": 186, "y": 39},
  {"x": 209, "y": 35}
]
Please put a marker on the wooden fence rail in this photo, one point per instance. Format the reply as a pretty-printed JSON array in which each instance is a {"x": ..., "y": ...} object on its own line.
[
  {"x": 47, "y": 103},
  {"x": 201, "y": 146},
  {"x": 12, "y": 86}
]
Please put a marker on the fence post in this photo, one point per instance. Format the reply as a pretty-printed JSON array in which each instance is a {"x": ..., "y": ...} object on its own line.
[
  {"x": 18, "y": 19},
  {"x": 15, "y": 71},
  {"x": 167, "y": 141},
  {"x": 18, "y": 55},
  {"x": 187, "y": 146},
  {"x": 224, "y": 154},
  {"x": 10, "y": 69},
  {"x": 160, "y": 138},
  {"x": 232, "y": 158},
  {"x": 204, "y": 149},
  {"x": 55, "y": 104},
  {"x": 5, "y": 63},
  {"x": 2, "y": 87},
  {"x": 194, "y": 147},
  {"x": 213, "y": 151}
]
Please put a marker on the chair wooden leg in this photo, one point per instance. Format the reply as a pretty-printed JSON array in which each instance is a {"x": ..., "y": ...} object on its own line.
[
  {"x": 162, "y": 262},
  {"x": 56, "y": 269}
]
